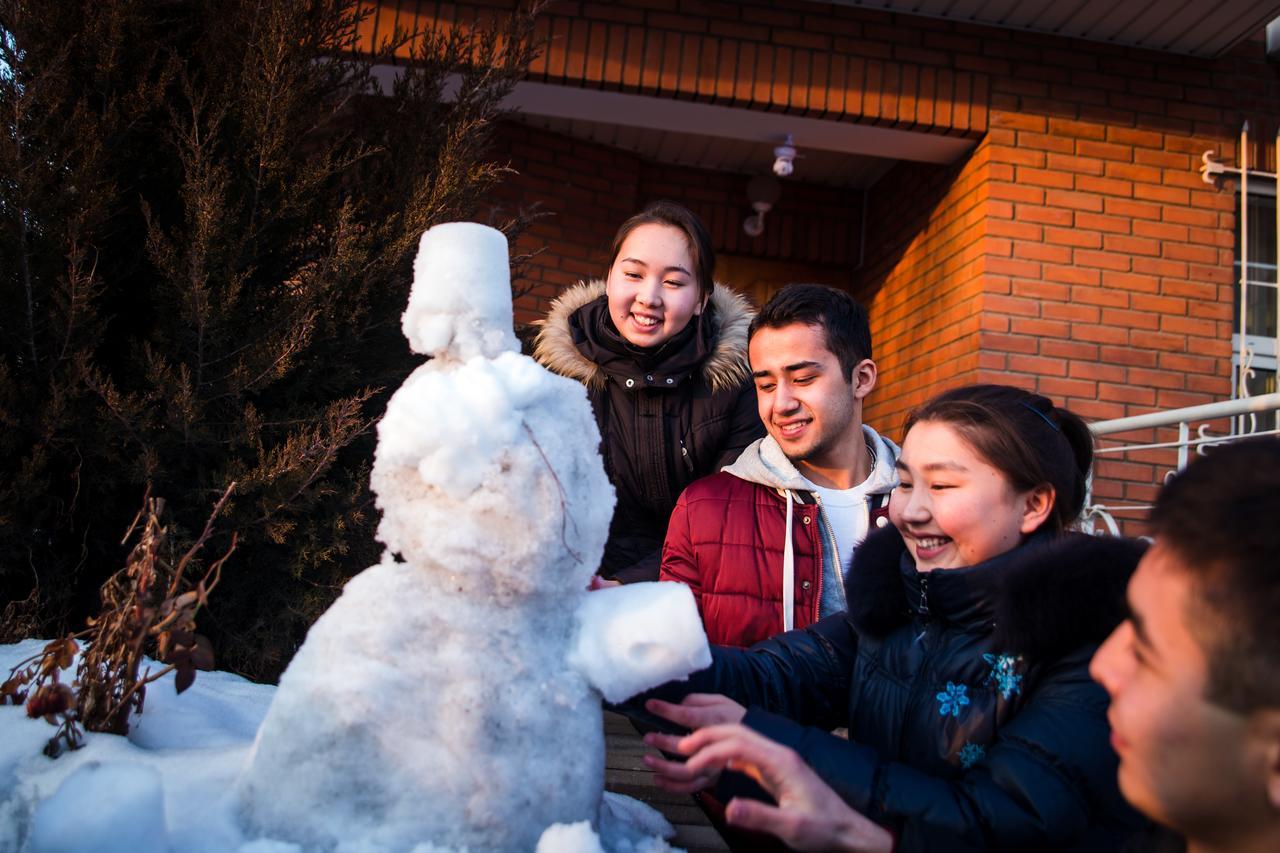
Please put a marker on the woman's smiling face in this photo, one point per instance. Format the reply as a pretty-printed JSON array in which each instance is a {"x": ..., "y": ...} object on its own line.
[
  {"x": 954, "y": 508},
  {"x": 652, "y": 290}
]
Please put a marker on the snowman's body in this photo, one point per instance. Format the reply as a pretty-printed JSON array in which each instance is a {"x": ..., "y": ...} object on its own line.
[{"x": 436, "y": 699}]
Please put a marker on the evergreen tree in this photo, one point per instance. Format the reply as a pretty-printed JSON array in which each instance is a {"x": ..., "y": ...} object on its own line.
[{"x": 208, "y": 211}]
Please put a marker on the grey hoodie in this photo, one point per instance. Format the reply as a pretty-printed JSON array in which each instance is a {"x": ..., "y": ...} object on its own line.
[{"x": 764, "y": 463}]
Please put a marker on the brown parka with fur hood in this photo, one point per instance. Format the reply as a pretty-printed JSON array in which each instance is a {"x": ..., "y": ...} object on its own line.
[{"x": 667, "y": 415}]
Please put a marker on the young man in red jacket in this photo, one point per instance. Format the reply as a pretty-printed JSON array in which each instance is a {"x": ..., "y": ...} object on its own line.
[{"x": 765, "y": 544}]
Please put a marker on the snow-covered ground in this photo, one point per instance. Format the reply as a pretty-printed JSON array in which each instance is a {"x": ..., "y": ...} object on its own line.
[{"x": 168, "y": 785}]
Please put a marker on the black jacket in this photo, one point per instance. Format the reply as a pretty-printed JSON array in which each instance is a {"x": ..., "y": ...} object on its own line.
[
  {"x": 666, "y": 416},
  {"x": 973, "y": 723}
]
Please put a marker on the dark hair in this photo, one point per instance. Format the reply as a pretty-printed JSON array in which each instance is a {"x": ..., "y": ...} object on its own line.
[
  {"x": 843, "y": 320},
  {"x": 680, "y": 217},
  {"x": 1220, "y": 519},
  {"x": 1023, "y": 436}
]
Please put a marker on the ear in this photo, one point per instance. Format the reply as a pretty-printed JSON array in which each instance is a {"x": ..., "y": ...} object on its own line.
[
  {"x": 863, "y": 378},
  {"x": 1265, "y": 729},
  {"x": 1037, "y": 507}
]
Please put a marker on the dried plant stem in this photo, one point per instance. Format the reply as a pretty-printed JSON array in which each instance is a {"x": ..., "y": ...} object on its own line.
[
  {"x": 564, "y": 502},
  {"x": 146, "y": 603}
]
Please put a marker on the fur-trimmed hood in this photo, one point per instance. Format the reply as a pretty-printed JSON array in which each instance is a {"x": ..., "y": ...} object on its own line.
[
  {"x": 1045, "y": 598},
  {"x": 724, "y": 367}
]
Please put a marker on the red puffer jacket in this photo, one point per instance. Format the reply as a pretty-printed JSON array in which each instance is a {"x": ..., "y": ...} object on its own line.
[{"x": 725, "y": 541}]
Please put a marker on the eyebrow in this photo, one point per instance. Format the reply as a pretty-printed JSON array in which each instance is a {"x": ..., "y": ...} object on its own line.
[
  {"x": 665, "y": 270},
  {"x": 1139, "y": 626},
  {"x": 790, "y": 368},
  {"x": 933, "y": 466}
]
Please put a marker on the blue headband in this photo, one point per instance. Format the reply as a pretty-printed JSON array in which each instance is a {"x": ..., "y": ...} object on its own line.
[{"x": 1043, "y": 417}]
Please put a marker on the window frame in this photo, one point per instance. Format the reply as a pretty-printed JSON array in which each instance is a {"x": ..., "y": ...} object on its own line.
[{"x": 1262, "y": 347}]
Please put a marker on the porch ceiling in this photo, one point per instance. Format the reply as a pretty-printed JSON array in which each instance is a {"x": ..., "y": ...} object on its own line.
[
  {"x": 729, "y": 139},
  {"x": 724, "y": 155},
  {"x": 1197, "y": 27}
]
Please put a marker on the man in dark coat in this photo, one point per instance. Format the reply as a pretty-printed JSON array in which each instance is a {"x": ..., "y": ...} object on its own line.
[{"x": 1194, "y": 673}]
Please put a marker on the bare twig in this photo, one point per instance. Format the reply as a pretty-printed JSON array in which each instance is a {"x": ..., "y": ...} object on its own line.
[
  {"x": 564, "y": 501},
  {"x": 145, "y": 604}
]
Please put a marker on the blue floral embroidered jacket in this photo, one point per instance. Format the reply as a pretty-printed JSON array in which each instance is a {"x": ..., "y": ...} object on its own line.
[{"x": 963, "y": 734}]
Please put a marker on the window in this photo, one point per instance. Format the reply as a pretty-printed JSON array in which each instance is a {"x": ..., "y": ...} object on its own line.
[{"x": 1260, "y": 307}]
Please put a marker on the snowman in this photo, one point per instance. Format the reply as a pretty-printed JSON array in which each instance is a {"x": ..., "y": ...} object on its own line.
[{"x": 450, "y": 698}]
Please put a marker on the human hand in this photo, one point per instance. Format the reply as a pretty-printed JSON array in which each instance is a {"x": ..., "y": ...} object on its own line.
[
  {"x": 598, "y": 582},
  {"x": 675, "y": 776},
  {"x": 694, "y": 711},
  {"x": 809, "y": 814},
  {"x": 698, "y": 709}
]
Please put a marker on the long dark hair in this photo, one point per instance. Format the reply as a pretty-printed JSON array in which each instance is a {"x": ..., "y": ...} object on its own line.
[
  {"x": 1022, "y": 435},
  {"x": 680, "y": 217}
]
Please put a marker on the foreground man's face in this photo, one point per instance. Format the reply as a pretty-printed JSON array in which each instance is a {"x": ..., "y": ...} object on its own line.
[{"x": 1184, "y": 761}]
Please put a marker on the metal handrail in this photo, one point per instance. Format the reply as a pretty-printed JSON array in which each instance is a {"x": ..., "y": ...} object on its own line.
[
  {"x": 1173, "y": 417},
  {"x": 1182, "y": 419}
]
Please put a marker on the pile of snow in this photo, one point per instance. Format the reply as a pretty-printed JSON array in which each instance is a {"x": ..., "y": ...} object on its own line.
[
  {"x": 450, "y": 698},
  {"x": 168, "y": 786}
]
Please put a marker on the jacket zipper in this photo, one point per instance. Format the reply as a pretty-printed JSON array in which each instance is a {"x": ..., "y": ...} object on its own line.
[
  {"x": 835, "y": 550},
  {"x": 926, "y": 665},
  {"x": 684, "y": 456},
  {"x": 831, "y": 541},
  {"x": 913, "y": 698},
  {"x": 650, "y": 430}
]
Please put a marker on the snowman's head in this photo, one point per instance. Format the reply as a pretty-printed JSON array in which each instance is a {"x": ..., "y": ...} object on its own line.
[
  {"x": 487, "y": 473},
  {"x": 460, "y": 304},
  {"x": 487, "y": 470}
]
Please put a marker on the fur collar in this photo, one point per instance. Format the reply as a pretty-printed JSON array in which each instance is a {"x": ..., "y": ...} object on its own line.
[
  {"x": 725, "y": 367},
  {"x": 1048, "y": 600},
  {"x": 1071, "y": 595}
]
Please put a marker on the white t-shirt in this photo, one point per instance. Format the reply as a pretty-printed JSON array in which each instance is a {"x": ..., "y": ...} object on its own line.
[{"x": 845, "y": 510}]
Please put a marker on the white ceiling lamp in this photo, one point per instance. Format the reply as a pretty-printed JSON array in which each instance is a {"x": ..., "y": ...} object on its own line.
[
  {"x": 762, "y": 192},
  {"x": 784, "y": 158}
]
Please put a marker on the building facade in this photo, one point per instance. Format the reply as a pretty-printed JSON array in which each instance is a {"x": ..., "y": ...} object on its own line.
[{"x": 1011, "y": 205}]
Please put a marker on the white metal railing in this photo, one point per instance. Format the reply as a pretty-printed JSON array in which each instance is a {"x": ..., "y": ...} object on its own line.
[
  {"x": 1254, "y": 351},
  {"x": 1242, "y": 416}
]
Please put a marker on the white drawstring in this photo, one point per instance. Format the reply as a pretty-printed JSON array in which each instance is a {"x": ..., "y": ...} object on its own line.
[{"x": 788, "y": 576}]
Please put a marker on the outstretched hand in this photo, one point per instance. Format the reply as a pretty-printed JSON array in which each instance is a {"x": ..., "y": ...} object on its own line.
[
  {"x": 697, "y": 710},
  {"x": 809, "y": 814},
  {"x": 693, "y": 712}
]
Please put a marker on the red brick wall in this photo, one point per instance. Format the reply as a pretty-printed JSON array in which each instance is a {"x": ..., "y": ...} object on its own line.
[
  {"x": 922, "y": 282},
  {"x": 584, "y": 191},
  {"x": 1127, "y": 299},
  {"x": 588, "y": 190},
  {"x": 1076, "y": 252}
]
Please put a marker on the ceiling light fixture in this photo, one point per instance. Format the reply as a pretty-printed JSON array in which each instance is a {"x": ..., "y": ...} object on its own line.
[
  {"x": 762, "y": 192},
  {"x": 784, "y": 158}
]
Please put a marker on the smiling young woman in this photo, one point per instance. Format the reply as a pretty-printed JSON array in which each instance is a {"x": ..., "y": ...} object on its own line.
[
  {"x": 960, "y": 669},
  {"x": 662, "y": 350}
]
